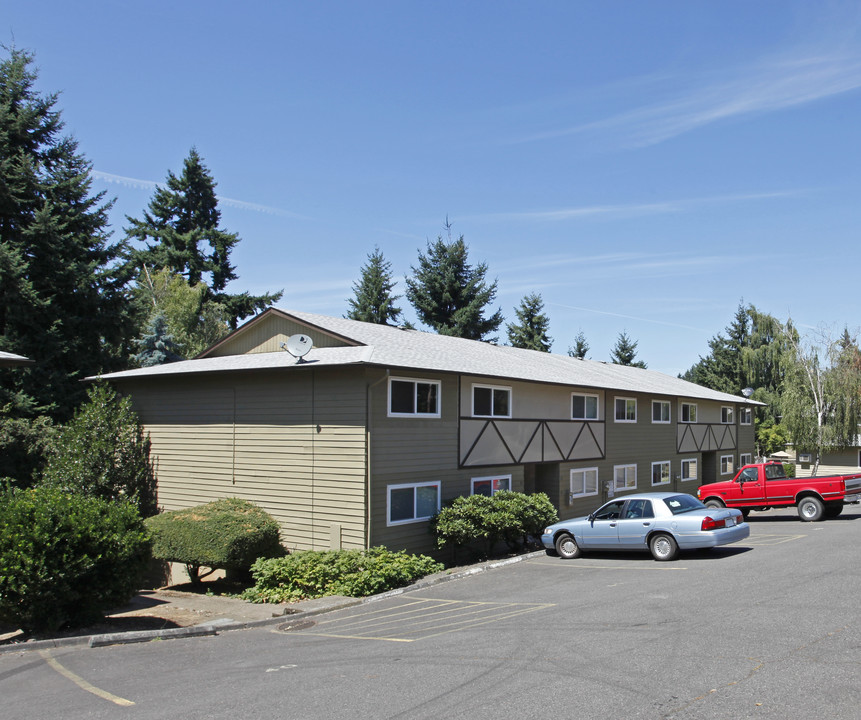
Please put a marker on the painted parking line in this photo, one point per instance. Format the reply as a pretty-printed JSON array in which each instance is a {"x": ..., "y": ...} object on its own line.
[
  {"x": 771, "y": 539},
  {"x": 626, "y": 565},
  {"x": 409, "y": 620},
  {"x": 83, "y": 684}
]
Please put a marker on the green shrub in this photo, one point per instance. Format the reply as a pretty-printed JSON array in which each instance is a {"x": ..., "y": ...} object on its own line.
[
  {"x": 354, "y": 573},
  {"x": 66, "y": 558},
  {"x": 507, "y": 516},
  {"x": 229, "y": 534},
  {"x": 103, "y": 452}
]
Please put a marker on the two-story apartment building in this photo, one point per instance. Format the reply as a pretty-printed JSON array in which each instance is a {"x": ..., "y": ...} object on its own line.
[{"x": 360, "y": 441}]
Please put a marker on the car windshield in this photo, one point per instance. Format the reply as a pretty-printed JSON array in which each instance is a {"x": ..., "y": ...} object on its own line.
[{"x": 682, "y": 503}]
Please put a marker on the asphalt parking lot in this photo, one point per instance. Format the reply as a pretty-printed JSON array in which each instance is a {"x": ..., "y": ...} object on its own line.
[{"x": 764, "y": 628}]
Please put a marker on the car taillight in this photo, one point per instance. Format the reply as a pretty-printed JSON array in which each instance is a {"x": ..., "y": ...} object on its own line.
[{"x": 710, "y": 523}]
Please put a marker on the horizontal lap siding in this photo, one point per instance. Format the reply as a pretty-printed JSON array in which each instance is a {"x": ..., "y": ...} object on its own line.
[{"x": 297, "y": 449}]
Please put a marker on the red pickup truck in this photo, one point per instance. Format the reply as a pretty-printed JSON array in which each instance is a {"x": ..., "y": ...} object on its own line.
[{"x": 761, "y": 486}]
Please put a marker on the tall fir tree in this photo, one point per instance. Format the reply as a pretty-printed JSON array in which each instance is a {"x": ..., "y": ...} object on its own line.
[
  {"x": 180, "y": 232},
  {"x": 625, "y": 352},
  {"x": 451, "y": 296},
  {"x": 531, "y": 331},
  {"x": 372, "y": 299},
  {"x": 580, "y": 346},
  {"x": 62, "y": 287}
]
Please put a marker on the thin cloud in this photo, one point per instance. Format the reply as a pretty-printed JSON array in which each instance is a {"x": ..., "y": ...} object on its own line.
[
  {"x": 630, "y": 210},
  {"x": 628, "y": 317},
  {"x": 137, "y": 184},
  {"x": 769, "y": 86}
]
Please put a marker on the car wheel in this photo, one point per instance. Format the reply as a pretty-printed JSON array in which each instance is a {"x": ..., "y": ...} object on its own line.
[
  {"x": 832, "y": 510},
  {"x": 745, "y": 512},
  {"x": 714, "y": 503},
  {"x": 811, "y": 509},
  {"x": 663, "y": 547},
  {"x": 567, "y": 547}
]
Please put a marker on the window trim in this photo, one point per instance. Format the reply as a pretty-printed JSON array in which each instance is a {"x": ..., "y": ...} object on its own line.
[
  {"x": 571, "y": 494},
  {"x": 727, "y": 415},
  {"x": 584, "y": 396},
  {"x": 627, "y": 466},
  {"x": 669, "y": 407},
  {"x": 730, "y": 464},
  {"x": 492, "y": 388},
  {"x": 485, "y": 478},
  {"x": 414, "y": 486},
  {"x": 669, "y": 466},
  {"x": 696, "y": 463},
  {"x": 682, "y": 413},
  {"x": 745, "y": 416},
  {"x": 615, "y": 409},
  {"x": 415, "y": 382}
]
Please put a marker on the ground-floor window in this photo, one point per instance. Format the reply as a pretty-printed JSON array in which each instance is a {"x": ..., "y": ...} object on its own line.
[
  {"x": 584, "y": 482},
  {"x": 727, "y": 467},
  {"x": 745, "y": 459},
  {"x": 490, "y": 485},
  {"x": 625, "y": 477},
  {"x": 689, "y": 470},
  {"x": 412, "y": 502},
  {"x": 661, "y": 473}
]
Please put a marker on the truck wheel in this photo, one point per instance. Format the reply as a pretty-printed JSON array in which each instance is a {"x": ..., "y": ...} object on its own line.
[
  {"x": 567, "y": 547},
  {"x": 663, "y": 547},
  {"x": 714, "y": 503},
  {"x": 811, "y": 509},
  {"x": 832, "y": 510}
]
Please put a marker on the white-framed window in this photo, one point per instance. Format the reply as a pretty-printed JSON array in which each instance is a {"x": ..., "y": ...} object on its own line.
[
  {"x": 409, "y": 397},
  {"x": 625, "y": 477},
  {"x": 491, "y": 401},
  {"x": 726, "y": 415},
  {"x": 412, "y": 502},
  {"x": 584, "y": 407},
  {"x": 745, "y": 416},
  {"x": 688, "y": 413},
  {"x": 661, "y": 473},
  {"x": 490, "y": 485},
  {"x": 727, "y": 466},
  {"x": 626, "y": 409},
  {"x": 689, "y": 469},
  {"x": 584, "y": 482},
  {"x": 660, "y": 411},
  {"x": 745, "y": 459}
]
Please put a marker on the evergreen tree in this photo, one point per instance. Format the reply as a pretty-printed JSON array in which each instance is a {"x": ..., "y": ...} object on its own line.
[
  {"x": 625, "y": 351},
  {"x": 450, "y": 295},
  {"x": 181, "y": 233},
  {"x": 373, "y": 300},
  {"x": 157, "y": 346},
  {"x": 531, "y": 333},
  {"x": 63, "y": 301},
  {"x": 580, "y": 347}
]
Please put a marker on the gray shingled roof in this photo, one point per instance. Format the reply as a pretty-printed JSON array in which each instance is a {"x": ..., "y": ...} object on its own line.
[{"x": 407, "y": 351}]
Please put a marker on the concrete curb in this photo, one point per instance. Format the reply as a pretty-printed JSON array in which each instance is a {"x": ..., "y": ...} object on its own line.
[{"x": 313, "y": 607}]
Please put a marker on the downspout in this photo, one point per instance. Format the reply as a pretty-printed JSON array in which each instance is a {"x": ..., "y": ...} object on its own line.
[{"x": 368, "y": 415}]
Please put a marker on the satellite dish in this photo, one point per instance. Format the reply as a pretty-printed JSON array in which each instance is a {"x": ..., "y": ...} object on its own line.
[
  {"x": 747, "y": 392},
  {"x": 298, "y": 345}
]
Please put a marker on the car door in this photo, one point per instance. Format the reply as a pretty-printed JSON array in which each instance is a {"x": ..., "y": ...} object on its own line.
[
  {"x": 751, "y": 490},
  {"x": 601, "y": 530},
  {"x": 636, "y": 521}
]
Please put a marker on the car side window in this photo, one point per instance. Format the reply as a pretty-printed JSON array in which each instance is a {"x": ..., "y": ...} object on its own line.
[
  {"x": 748, "y": 475},
  {"x": 638, "y": 509},
  {"x": 611, "y": 511}
]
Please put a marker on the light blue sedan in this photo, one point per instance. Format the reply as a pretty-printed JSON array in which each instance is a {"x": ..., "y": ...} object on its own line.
[{"x": 662, "y": 522}]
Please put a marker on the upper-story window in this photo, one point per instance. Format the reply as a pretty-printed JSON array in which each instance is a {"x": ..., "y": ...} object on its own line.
[
  {"x": 745, "y": 416},
  {"x": 688, "y": 413},
  {"x": 491, "y": 401},
  {"x": 584, "y": 407},
  {"x": 660, "y": 411},
  {"x": 726, "y": 416},
  {"x": 626, "y": 409},
  {"x": 414, "y": 398}
]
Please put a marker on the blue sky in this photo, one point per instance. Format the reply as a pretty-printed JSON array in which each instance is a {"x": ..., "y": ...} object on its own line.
[{"x": 644, "y": 166}]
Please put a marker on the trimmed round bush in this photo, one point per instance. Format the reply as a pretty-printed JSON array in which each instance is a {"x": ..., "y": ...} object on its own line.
[
  {"x": 66, "y": 558},
  {"x": 354, "y": 573},
  {"x": 228, "y": 534}
]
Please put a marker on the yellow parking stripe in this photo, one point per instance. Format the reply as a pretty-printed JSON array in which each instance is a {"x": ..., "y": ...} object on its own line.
[{"x": 83, "y": 684}]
